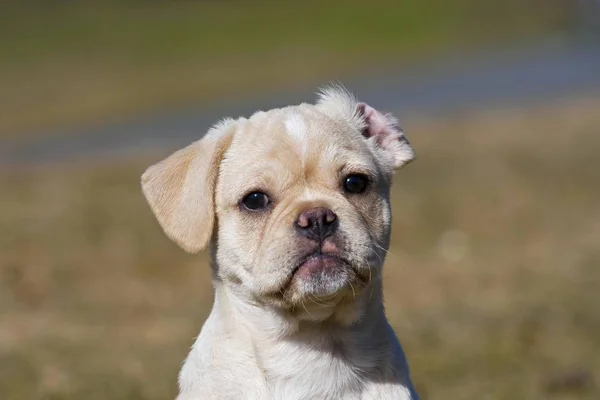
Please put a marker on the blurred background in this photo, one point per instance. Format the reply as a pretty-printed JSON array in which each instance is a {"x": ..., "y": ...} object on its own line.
[{"x": 494, "y": 268}]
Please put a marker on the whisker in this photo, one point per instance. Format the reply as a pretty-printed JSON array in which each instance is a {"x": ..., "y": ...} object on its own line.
[
  {"x": 353, "y": 292},
  {"x": 373, "y": 251},
  {"x": 305, "y": 309},
  {"x": 318, "y": 302},
  {"x": 382, "y": 248}
]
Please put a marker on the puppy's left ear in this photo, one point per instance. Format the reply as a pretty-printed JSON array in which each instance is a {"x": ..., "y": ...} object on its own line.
[
  {"x": 385, "y": 131},
  {"x": 180, "y": 189}
]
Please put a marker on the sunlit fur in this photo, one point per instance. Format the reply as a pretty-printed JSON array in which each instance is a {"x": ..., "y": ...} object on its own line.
[{"x": 272, "y": 333}]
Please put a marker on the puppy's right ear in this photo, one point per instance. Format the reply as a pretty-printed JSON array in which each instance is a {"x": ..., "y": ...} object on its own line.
[{"x": 180, "y": 189}]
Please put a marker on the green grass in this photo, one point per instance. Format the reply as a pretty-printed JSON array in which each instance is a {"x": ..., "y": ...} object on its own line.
[
  {"x": 491, "y": 281},
  {"x": 81, "y": 62}
]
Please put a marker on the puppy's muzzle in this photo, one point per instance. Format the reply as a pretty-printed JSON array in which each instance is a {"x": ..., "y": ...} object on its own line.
[{"x": 316, "y": 223}]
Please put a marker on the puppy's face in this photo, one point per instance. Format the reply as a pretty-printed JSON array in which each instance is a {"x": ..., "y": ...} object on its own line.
[
  {"x": 302, "y": 207},
  {"x": 295, "y": 199}
]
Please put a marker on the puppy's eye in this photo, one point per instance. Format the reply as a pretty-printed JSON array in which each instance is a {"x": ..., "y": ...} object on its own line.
[
  {"x": 255, "y": 201},
  {"x": 356, "y": 183}
]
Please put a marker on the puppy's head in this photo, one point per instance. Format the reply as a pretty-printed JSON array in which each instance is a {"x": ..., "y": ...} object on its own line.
[{"x": 295, "y": 200}]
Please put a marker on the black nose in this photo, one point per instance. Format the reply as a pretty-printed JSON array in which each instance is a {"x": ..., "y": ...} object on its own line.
[{"x": 316, "y": 223}]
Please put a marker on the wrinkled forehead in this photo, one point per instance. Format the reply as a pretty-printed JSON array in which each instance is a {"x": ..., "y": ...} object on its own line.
[
  {"x": 295, "y": 139},
  {"x": 286, "y": 144}
]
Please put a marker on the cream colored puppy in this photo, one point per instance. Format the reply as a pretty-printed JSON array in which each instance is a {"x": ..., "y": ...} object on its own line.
[{"x": 295, "y": 205}]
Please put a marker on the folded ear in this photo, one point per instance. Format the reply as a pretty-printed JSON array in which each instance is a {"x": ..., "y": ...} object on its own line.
[
  {"x": 389, "y": 139},
  {"x": 387, "y": 134},
  {"x": 180, "y": 189}
]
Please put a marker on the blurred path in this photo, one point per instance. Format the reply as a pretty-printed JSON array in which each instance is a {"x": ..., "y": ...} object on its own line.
[{"x": 531, "y": 74}]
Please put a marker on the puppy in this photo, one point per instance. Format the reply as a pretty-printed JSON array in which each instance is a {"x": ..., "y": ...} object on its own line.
[{"x": 295, "y": 205}]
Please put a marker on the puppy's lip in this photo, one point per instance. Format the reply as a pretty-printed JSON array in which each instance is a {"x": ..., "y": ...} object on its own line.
[
  {"x": 319, "y": 260},
  {"x": 327, "y": 259}
]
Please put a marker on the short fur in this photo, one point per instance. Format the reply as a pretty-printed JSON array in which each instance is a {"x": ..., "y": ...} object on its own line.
[{"x": 277, "y": 331}]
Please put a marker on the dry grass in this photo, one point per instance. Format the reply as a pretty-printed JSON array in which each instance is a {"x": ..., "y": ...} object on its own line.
[{"x": 491, "y": 282}]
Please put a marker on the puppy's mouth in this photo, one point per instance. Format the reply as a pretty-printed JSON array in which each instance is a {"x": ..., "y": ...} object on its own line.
[
  {"x": 317, "y": 262},
  {"x": 322, "y": 272},
  {"x": 323, "y": 275}
]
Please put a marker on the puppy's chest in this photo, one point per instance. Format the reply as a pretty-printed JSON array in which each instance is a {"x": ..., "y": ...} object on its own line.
[{"x": 299, "y": 372}]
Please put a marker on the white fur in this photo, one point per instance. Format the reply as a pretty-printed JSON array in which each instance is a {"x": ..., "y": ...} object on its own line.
[
  {"x": 296, "y": 128},
  {"x": 339, "y": 346},
  {"x": 251, "y": 346}
]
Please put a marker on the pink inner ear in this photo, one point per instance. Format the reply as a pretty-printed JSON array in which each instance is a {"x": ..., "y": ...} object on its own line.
[
  {"x": 378, "y": 125},
  {"x": 387, "y": 134}
]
